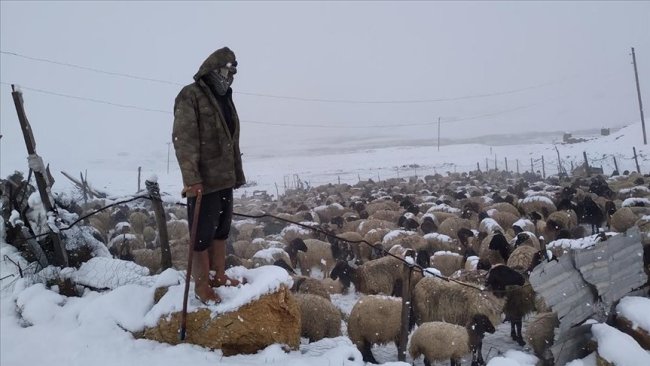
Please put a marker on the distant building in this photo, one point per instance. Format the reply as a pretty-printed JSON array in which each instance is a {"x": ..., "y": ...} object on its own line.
[{"x": 604, "y": 131}]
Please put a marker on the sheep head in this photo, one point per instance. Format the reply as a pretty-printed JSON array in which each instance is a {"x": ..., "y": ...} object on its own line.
[
  {"x": 343, "y": 272},
  {"x": 480, "y": 324}
]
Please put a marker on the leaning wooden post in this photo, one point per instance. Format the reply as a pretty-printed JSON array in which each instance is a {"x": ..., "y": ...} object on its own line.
[
  {"x": 587, "y": 170},
  {"x": 478, "y": 168},
  {"x": 60, "y": 254},
  {"x": 506, "y": 159},
  {"x": 615, "y": 164},
  {"x": 543, "y": 168},
  {"x": 638, "y": 170},
  {"x": 406, "y": 306},
  {"x": 161, "y": 222}
]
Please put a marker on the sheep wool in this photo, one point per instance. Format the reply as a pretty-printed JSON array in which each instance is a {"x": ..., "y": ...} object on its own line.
[
  {"x": 373, "y": 320},
  {"x": 319, "y": 317},
  {"x": 504, "y": 207},
  {"x": 451, "y": 226},
  {"x": 522, "y": 257},
  {"x": 438, "y": 300},
  {"x": 318, "y": 255},
  {"x": 540, "y": 333},
  {"x": 308, "y": 285},
  {"x": 439, "y": 341},
  {"x": 447, "y": 262}
]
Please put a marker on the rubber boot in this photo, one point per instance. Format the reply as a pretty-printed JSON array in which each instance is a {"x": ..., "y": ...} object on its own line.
[{"x": 201, "y": 275}]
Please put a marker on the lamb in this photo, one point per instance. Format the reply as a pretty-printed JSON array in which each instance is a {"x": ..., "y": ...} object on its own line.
[
  {"x": 295, "y": 246},
  {"x": 540, "y": 335},
  {"x": 319, "y": 255},
  {"x": 269, "y": 256},
  {"x": 319, "y": 317},
  {"x": 439, "y": 341},
  {"x": 362, "y": 252},
  {"x": 374, "y": 320},
  {"x": 519, "y": 295},
  {"x": 435, "y": 299},
  {"x": 379, "y": 276},
  {"x": 309, "y": 285}
]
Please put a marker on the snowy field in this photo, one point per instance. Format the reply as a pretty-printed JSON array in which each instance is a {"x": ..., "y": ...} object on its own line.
[{"x": 93, "y": 329}]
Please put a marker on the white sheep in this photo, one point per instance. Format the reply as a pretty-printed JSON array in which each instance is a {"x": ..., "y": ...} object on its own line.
[
  {"x": 373, "y": 320},
  {"x": 439, "y": 341}
]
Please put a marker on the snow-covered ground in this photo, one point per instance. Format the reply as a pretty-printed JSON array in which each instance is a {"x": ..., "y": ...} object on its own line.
[{"x": 39, "y": 326}]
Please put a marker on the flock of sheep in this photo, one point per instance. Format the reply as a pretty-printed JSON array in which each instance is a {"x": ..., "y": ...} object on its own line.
[{"x": 485, "y": 231}]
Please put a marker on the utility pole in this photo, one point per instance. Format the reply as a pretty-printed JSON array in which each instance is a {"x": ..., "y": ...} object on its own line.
[
  {"x": 439, "y": 133},
  {"x": 638, "y": 92},
  {"x": 169, "y": 144}
]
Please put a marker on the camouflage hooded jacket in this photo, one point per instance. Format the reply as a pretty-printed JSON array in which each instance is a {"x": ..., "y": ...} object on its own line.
[{"x": 205, "y": 150}]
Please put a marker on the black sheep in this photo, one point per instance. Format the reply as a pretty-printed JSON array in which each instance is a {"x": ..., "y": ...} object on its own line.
[
  {"x": 506, "y": 282},
  {"x": 592, "y": 214}
]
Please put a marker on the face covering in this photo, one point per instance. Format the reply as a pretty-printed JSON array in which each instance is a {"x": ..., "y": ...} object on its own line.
[{"x": 221, "y": 79}]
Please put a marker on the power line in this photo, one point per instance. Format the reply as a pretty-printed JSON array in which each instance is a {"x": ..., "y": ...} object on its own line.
[
  {"x": 303, "y": 99},
  {"x": 91, "y": 99},
  {"x": 100, "y": 71},
  {"x": 280, "y": 124}
]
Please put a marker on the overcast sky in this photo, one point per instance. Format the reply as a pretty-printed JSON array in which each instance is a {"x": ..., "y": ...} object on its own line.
[{"x": 369, "y": 71}]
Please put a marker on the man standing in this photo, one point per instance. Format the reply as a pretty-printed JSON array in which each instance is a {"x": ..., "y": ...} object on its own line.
[{"x": 206, "y": 140}]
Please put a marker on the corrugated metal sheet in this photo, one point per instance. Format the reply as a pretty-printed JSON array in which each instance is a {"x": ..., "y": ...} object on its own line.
[
  {"x": 615, "y": 267},
  {"x": 583, "y": 281},
  {"x": 564, "y": 290}
]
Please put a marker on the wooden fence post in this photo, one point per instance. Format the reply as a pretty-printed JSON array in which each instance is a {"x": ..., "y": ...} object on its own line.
[
  {"x": 406, "y": 307},
  {"x": 139, "y": 172},
  {"x": 517, "y": 166},
  {"x": 60, "y": 254},
  {"x": 615, "y": 164},
  {"x": 532, "y": 170},
  {"x": 587, "y": 170},
  {"x": 487, "y": 168},
  {"x": 638, "y": 170},
  {"x": 83, "y": 188},
  {"x": 543, "y": 168},
  {"x": 161, "y": 222},
  {"x": 506, "y": 159},
  {"x": 478, "y": 168},
  {"x": 495, "y": 162}
]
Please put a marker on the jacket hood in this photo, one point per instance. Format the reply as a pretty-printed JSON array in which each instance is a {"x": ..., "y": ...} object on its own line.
[{"x": 216, "y": 60}]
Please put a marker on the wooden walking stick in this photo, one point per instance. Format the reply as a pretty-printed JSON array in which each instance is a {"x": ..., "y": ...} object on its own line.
[{"x": 195, "y": 225}]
